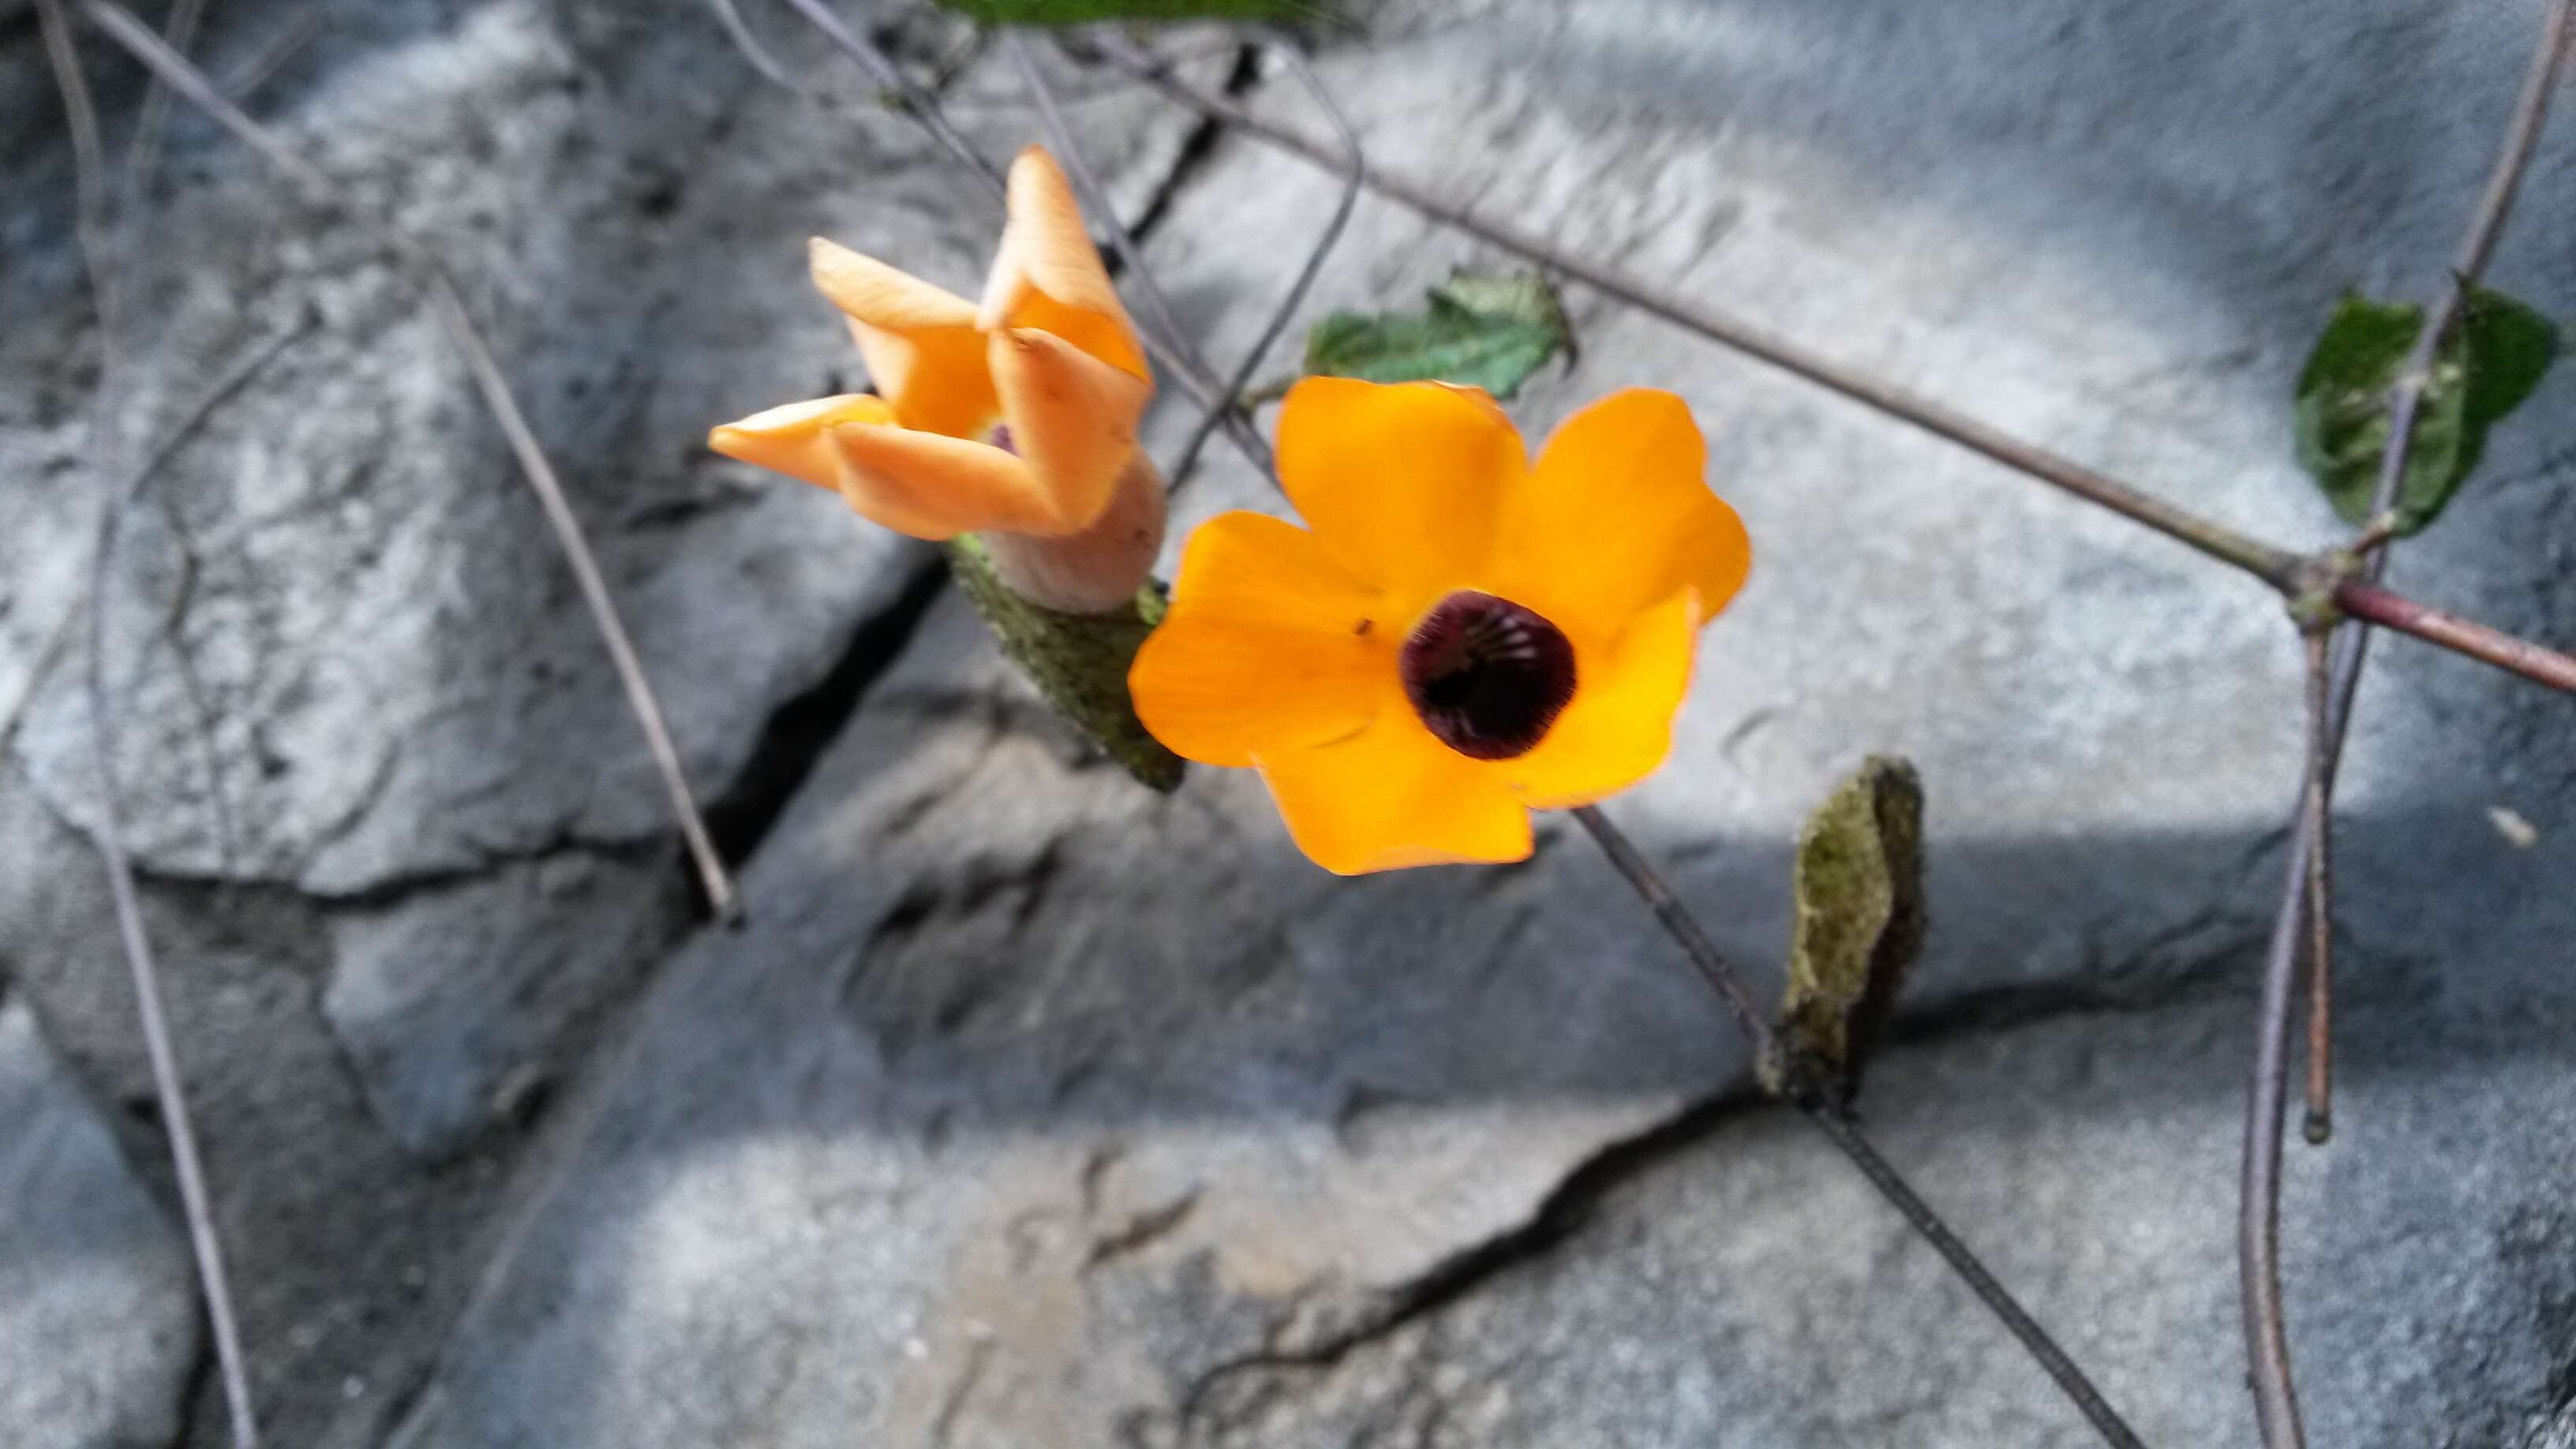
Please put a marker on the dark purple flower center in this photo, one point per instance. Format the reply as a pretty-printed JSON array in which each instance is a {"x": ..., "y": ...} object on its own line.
[{"x": 1487, "y": 676}]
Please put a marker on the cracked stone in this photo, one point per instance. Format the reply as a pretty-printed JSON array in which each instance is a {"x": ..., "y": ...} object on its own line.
[
  {"x": 98, "y": 1307},
  {"x": 980, "y": 967},
  {"x": 996, "y": 1008}
]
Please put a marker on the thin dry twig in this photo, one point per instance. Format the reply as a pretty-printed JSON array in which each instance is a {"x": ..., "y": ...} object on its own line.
[
  {"x": 1171, "y": 353},
  {"x": 192, "y": 85},
  {"x": 2265, "y": 562},
  {"x": 2283, "y": 570},
  {"x": 168, "y": 1088},
  {"x": 1818, "y": 1108},
  {"x": 281, "y": 48},
  {"x": 190, "y": 419},
  {"x": 911, "y": 99},
  {"x": 1158, "y": 307},
  {"x": 2318, "y": 821},
  {"x": 2259, "y": 1213},
  {"x": 1354, "y": 172}
]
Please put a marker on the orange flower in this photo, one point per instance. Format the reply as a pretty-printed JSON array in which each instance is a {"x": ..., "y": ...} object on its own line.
[
  {"x": 1018, "y": 416},
  {"x": 1463, "y": 636}
]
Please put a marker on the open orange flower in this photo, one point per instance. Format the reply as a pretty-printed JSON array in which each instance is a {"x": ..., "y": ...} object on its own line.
[
  {"x": 1463, "y": 636},
  {"x": 1017, "y": 416}
]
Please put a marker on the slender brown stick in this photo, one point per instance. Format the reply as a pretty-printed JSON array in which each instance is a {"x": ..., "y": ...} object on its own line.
[
  {"x": 2275, "y": 566},
  {"x": 2265, "y": 562},
  {"x": 914, "y": 102},
  {"x": 1354, "y": 172},
  {"x": 168, "y": 1088},
  {"x": 191, "y": 85},
  {"x": 2319, "y": 823},
  {"x": 2258, "y": 1218},
  {"x": 2365, "y": 600},
  {"x": 1172, "y": 353},
  {"x": 1845, "y": 1134},
  {"x": 1158, "y": 307}
]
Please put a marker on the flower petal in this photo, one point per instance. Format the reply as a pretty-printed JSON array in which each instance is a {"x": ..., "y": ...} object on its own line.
[
  {"x": 1048, "y": 275},
  {"x": 796, "y": 439},
  {"x": 1617, "y": 515},
  {"x": 1270, "y": 644},
  {"x": 1390, "y": 797},
  {"x": 1619, "y": 726},
  {"x": 1403, "y": 480},
  {"x": 920, "y": 343},
  {"x": 936, "y": 487},
  {"x": 1072, "y": 417}
]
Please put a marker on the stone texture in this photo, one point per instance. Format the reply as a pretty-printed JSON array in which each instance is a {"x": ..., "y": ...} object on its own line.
[
  {"x": 405, "y": 855},
  {"x": 1030, "y": 1108},
  {"x": 98, "y": 1311}
]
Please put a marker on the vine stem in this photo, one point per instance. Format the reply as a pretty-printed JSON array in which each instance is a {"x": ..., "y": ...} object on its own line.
[
  {"x": 2366, "y": 600},
  {"x": 191, "y": 85},
  {"x": 1203, "y": 379},
  {"x": 2259, "y": 1212},
  {"x": 1845, "y": 1134},
  {"x": 168, "y": 1087},
  {"x": 2272, "y": 565},
  {"x": 2279, "y": 568},
  {"x": 1354, "y": 173}
]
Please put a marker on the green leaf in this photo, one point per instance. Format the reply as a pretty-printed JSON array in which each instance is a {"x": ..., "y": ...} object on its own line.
[
  {"x": 1078, "y": 661},
  {"x": 1481, "y": 330},
  {"x": 2483, "y": 370},
  {"x": 1860, "y": 921},
  {"x": 1086, "y": 12}
]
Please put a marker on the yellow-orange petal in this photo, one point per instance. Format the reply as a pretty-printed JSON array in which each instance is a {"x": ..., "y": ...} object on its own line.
[
  {"x": 1270, "y": 644},
  {"x": 919, "y": 341},
  {"x": 883, "y": 296},
  {"x": 1403, "y": 480},
  {"x": 1617, "y": 515},
  {"x": 1072, "y": 418},
  {"x": 796, "y": 439},
  {"x": 1391, "y": 796},
  {"x": 1047, "y": 273},
  {"x": 936, "y": 487},
  {"x": 1619, "y": 725}
]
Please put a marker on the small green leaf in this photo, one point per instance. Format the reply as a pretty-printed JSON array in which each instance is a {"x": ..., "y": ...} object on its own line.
[
  {"x": 1079, "y": 661},
  {"x": 1482, "y": 330},
  {"x": 1086, "y": 12},
  {"x": 1860, "y": 921},
  {"x": 2509, "y": 346},
  {"x": 2487, "y": 366}
]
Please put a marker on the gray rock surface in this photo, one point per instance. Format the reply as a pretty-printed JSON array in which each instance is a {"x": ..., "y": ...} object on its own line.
[
  {"x": 98, "y": 1312},
  {"x": 1030, "y": 1108}
]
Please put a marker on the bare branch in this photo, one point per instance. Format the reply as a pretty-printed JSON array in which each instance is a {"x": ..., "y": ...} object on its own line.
[
  {"x": 1354, "y": 172},
  {"x": 2390, "y": 609},
  {"x": 192, "y": 86},
  {"x": 168, "y": 1088},
  {"x": 1845, "y": 1134},
  {"x": 1193, "y": 368},
  {"x": 2272, "y": 565},
  {"x": 2319, "y": 823},
  {"x": 2258, "y": 1220},
  {"x": 911, "y": 99}
]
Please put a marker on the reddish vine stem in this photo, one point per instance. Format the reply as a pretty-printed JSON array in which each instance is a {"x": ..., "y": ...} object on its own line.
[
  {"x": 2365, "y": 600},
  {"x": 2259, "y": 1213},
  {"x": 1845, "y": 1134}
]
